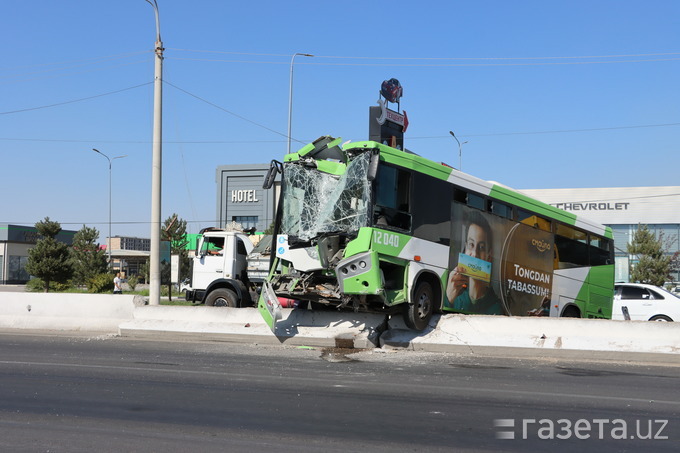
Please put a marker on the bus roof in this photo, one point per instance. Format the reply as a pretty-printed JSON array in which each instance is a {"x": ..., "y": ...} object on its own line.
[{"x": 503, "y": 193}]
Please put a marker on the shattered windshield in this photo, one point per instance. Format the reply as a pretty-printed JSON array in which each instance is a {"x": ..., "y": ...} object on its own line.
[{"x": 316, "y": 202}]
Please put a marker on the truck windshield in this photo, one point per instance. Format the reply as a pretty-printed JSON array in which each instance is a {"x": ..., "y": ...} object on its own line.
[{"x": 315, "y": 202}]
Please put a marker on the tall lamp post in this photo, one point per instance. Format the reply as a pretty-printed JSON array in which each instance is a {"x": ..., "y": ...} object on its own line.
[
  {"x": 108, "y": 246},
  {"x": 460, "y": 150},
  {"x": 290, "y": 94},
  {"x": 156, "y": 171}
]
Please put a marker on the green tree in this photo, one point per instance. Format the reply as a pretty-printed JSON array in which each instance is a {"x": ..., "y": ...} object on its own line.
[
  {"x": 49, "y": 259},
  {"x": 87, "y": 257},
  {"x": 670, "y": 243},
  {"x": 175, "y": 231},
  {"x": 144, "y": 270},
  {"x": 270, "y": 229},
  {"x": 653, "y": 265}
]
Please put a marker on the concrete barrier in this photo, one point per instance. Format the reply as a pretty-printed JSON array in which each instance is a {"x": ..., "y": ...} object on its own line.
[
  {"x": 126, "y": 315},
  {"x": 297, "y": 327},
  {"x": 65, "y": 312},
  {"x": 543, "y": 333}
]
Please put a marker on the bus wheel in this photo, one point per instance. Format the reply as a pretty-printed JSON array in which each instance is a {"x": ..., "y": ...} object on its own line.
[
  {"x": 571, "y": 312},
  {"x": 222, "y": 297},
  {"x": 418, "y": 312}
]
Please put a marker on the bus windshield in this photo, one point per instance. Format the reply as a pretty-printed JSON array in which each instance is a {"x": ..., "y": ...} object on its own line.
[{"x": 316, "y": 203}]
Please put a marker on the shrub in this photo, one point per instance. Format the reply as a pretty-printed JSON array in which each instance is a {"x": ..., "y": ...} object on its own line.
[
  {"x": 37, "y": 285},
  {"x": 100, "y": 283},
  {"x": 132, "y": 282}
]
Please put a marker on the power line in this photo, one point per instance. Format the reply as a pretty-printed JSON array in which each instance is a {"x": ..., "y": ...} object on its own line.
[
  {"x": 431, "y": 65},
  {"x": 52, "y": 67},
  {"x": 75, "y": 100},
  {"x": 54, "y": 76},
  {"x": 194, "y": 142},
  {"x": 556, "y": 131},
  {"x": 79, "y": 62},
  {"x": 228, "y": 111},
  {"x": 461, "y": 61},
  {"x": 434, "y": 58},
  {"x": 430, "y": 137}
]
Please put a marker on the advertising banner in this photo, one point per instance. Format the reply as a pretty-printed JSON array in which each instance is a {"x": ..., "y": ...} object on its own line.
[{"x": 498, "y": 266}]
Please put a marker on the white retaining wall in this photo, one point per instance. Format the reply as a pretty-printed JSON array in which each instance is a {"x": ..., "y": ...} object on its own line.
[{"x": 64, "y": 311}]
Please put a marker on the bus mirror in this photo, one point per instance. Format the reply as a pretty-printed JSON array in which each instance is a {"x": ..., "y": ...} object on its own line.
[
  {"x": 373, "y": 165},
  {"x": 274, "y": 167}
]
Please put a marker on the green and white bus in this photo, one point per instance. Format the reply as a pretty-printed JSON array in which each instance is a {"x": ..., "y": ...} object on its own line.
[{"x": 373, "y": 228}]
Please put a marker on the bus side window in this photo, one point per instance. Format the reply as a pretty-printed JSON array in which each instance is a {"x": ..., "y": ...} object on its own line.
[
  {"x": 500, "y": 209},
  {"x": 431, "y": 215},
  {"x": 475, "y": 201},
  {"x": 536, "y": 221},
  {"x": 600, "y": 251},
  {"x": 572, "y": 247},
  {"x": 392, "y": 198},
  {"x": 460, "y": 196}
]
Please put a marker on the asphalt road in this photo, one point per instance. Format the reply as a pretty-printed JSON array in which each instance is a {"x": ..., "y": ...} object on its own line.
[{"x": 110, "y": 394}]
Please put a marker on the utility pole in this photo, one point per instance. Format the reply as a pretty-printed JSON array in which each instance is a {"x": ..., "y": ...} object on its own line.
[{"x": 156, "y": 170}]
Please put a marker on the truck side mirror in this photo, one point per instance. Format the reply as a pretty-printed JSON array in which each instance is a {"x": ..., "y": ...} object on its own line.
[{"x": 274, "y": 167}]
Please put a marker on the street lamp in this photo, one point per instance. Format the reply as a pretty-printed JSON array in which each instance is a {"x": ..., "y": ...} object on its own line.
[
  {"x": 156, "y": 170},
  {"x": 108, "y": 246},
  {"x": 290, "y": 93},
  {"x": 460, "y": 151}
]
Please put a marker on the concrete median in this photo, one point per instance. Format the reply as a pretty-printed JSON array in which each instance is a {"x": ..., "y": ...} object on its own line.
[
  {"x": 297, "y": 327},
  {"x": 128, "y": 316},
  {"x": 449, "y": 331},
  {"x": 65, "y": 312}
]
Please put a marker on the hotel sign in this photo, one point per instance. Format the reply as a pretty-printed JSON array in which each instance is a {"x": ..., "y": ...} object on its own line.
[{"x": 244, "y": 196}]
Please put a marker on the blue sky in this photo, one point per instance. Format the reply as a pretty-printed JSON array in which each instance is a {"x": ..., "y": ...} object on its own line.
[{"x": 548, "y": 94}]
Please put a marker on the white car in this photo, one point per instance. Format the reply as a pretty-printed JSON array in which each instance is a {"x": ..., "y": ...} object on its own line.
[{"x": 644, "y": 303}]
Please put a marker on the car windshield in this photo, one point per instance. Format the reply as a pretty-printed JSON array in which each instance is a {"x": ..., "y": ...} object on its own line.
[{"x": 315, "y": 202}]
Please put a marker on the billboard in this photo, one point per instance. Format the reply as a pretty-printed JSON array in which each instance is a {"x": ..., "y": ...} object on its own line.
[{"x": 498, "y": 266}]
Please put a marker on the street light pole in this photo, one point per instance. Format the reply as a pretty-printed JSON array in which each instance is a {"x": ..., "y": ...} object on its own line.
[
  {"x": 156, "y": 171},
  {"x": 460, "y": 151},
  {"x": 108, "y": 246},
  {"x": 290, "y": 94}
]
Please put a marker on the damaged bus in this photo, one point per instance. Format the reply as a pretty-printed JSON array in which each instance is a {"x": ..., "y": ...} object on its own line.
[{"x": 372, "y": 228}]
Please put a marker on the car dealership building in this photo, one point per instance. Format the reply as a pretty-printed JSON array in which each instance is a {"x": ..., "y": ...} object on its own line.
[{"x": 623, "y": 209}]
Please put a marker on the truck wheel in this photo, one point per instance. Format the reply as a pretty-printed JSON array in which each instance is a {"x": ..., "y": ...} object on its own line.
[
  {"x": 222, "y": 297},
  {"x": 418, "y": 312}
]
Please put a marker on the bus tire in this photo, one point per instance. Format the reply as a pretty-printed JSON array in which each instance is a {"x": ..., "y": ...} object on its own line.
[
  {"x": 222, "y": 297},
  {"x": 571, "y": 312},
  {"x": 418, "y": 312}
]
